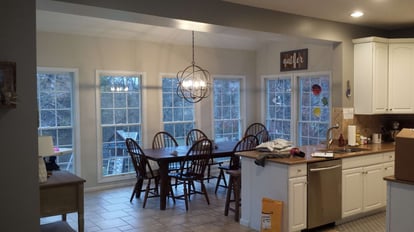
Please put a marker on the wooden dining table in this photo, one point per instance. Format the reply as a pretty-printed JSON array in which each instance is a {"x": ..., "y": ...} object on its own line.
[{"x": 165, "y": 156}]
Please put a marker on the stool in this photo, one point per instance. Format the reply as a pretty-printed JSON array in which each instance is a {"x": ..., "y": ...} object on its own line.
[{"x": 235, "y": 187}]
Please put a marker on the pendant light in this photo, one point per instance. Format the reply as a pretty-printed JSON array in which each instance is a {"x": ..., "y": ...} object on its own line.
[{"x": 194, "y": 82}]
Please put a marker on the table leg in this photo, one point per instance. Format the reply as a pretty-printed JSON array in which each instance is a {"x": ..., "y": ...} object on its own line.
[
  {"x": 164, "y": 184},
  {"x": 81, "y": 220}
]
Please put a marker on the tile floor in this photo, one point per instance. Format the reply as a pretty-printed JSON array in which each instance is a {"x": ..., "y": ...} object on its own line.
[{"x": 111, "y": 211}]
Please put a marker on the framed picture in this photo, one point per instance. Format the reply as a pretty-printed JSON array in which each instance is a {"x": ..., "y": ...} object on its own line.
[
  {"x": 8, "y": 95},
  {"x": 294, "y": 60}
]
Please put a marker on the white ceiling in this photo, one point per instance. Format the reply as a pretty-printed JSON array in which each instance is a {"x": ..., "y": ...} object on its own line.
[{"x": 384, "y": 14}]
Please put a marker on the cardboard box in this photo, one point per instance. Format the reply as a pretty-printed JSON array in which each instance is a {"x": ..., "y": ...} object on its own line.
[
  {"x": 271, "y": 220},
  {"x": 404, "y": 155}
]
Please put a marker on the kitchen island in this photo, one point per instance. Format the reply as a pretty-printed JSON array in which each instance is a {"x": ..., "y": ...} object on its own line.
[{"x": 285, "y": 179}]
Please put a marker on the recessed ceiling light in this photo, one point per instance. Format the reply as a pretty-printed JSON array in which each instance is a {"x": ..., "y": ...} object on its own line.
[{"x": 357, "y": 14}]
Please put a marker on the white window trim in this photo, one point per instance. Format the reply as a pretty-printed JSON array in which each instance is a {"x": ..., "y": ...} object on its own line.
[
  {"x": 76, "y": 114},
  {"x": 243, "y": 94},
  {"x": 98, "y": 72},
  {"x": 295, "y": 101}
]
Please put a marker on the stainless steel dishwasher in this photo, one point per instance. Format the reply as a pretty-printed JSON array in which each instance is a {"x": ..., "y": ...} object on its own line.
[{"x": 324, "y": 192}]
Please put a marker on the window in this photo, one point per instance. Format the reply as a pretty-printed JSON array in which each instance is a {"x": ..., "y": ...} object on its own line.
[
  {"x": 55, "y": 97},
  {"x": 177, "y": 113},
  {"x": 311, "y": 110},
  {"x": 279, "y": 105},
  {"x": 227, "y": 119},
  {"x": 120, "y": 118},
  {"x": 314, "y": 108}
]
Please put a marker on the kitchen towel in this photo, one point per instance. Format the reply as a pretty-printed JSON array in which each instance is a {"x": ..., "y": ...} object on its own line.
[{"x": 352, "y": 135}]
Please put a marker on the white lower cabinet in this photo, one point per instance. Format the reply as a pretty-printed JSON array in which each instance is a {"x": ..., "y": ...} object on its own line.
[
  {"x": 388, "y": 169},
  {"x": 363, "y": 187},
  {"x": 297, "y": 203},
  {"x": 352, "y": 189}
]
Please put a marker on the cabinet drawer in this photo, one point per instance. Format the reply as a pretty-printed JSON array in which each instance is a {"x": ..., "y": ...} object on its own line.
[
  {"x": 297, "y": 170},
  {"x": 363, "y": 160},
  {"x": 389, "y": 156}
]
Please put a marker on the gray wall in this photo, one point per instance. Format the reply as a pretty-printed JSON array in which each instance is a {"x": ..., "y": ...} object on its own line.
[{"x": 19, "y": 194}]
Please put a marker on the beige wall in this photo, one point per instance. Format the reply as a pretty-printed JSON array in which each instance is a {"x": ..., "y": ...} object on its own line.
[{"x": 88, "y": 54}]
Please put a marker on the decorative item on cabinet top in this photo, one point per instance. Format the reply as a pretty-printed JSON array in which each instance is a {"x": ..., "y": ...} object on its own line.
[{"x": 8, "y": 96}]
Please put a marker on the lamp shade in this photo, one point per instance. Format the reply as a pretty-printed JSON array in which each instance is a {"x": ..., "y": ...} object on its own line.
[{"x": 45, "y": 147}]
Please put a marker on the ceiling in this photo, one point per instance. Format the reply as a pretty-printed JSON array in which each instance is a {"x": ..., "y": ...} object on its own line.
[{"x": 383, "y": 14}]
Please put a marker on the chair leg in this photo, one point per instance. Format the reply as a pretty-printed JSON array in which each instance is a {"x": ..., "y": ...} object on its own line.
[
  {"x": 220, "y": 177},
  {"x": 204, "y": 190},
  {"x": 228, "y": 196},
  {"x": 171, "y": 190},
  {"x": 186, "y": 196},
  {"x": 146, "y": 193},
  {"x": 237, "y": 198}
]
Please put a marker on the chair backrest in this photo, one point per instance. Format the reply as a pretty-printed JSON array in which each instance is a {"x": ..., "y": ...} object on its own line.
[
  {"x": 263, "y": 136},
  {"x": 163, "y": 139},
  {"x": 254, "y": 128},
  {"x": 247, "y": 143},
  {"x": 194, "y": 135},
  {"x": 197, "y": 159},
  {"x": 138, "y": 158}
]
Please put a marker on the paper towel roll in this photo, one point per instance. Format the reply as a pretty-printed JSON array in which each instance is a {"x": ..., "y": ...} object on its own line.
[{"x": 352, "y": 135}]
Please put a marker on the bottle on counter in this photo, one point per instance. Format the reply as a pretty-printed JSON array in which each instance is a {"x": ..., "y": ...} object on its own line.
[{"x": 341, "y": 140}]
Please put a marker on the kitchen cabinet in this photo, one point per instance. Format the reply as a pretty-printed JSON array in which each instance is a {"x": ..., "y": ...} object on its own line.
[
  {"x": 286, "y": 183},
  {"x": 401, "y": 76},
  {"x": 297, "y": 198},
  {"x": 383, "y": 75},
  {"x": 363, "y": 187},
  {"x": 388, "y": 171},
  {"x": 370, "y": 75}
]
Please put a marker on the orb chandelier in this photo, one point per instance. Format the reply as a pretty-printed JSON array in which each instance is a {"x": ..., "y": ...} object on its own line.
[{"x": 194, "y": 82}]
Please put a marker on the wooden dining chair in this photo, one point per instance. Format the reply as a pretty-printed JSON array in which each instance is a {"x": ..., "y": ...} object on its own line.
[
  {"x": 247, "y": 143},
  {"x": 193, "y": 169},
  {"x": 254, "y": 128},
  {"x": 263, "y": 136},
  {"x": 143, "y": 172},
  {"x": 194, "y": 135},
  {"x": 164, "y": 139}
]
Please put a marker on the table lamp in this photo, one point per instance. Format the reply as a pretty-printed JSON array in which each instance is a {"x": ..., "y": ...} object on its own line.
[{"x": 45, "y": 148}]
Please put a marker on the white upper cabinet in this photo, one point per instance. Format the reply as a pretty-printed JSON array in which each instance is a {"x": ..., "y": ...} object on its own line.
[
  {"x": 371, "y": 76},
  {"x": 383, "y": 75},
  {"x": 401, "y": 76}
]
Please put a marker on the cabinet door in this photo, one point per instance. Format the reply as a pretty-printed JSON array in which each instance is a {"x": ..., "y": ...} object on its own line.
[
  {"x": 401, "y": 78},
  {"x": 297, "y": 203},
  {"x": 388, "y": 170},
  {"x": 352, "y": 191},
  {"x": 371, "y": 78},
  {"x": 373, "y": 187}
]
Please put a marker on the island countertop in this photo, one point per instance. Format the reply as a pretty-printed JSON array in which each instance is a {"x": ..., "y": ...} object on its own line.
[{"x": 368, "y": 149}]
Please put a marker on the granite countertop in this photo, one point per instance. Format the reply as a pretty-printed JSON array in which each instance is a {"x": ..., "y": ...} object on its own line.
[{"x": 367, "y": 150}]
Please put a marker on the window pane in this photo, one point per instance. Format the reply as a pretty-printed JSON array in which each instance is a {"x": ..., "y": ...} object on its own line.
[
  {"x": 55, "y": 97},
  {"x": 278, "y": 107},
  {"x": 314, "y": 109},
  {"x": 120, "y": 97},
  {"x": 226, "y": 109},
  {"x": 178, "y": 114}
]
